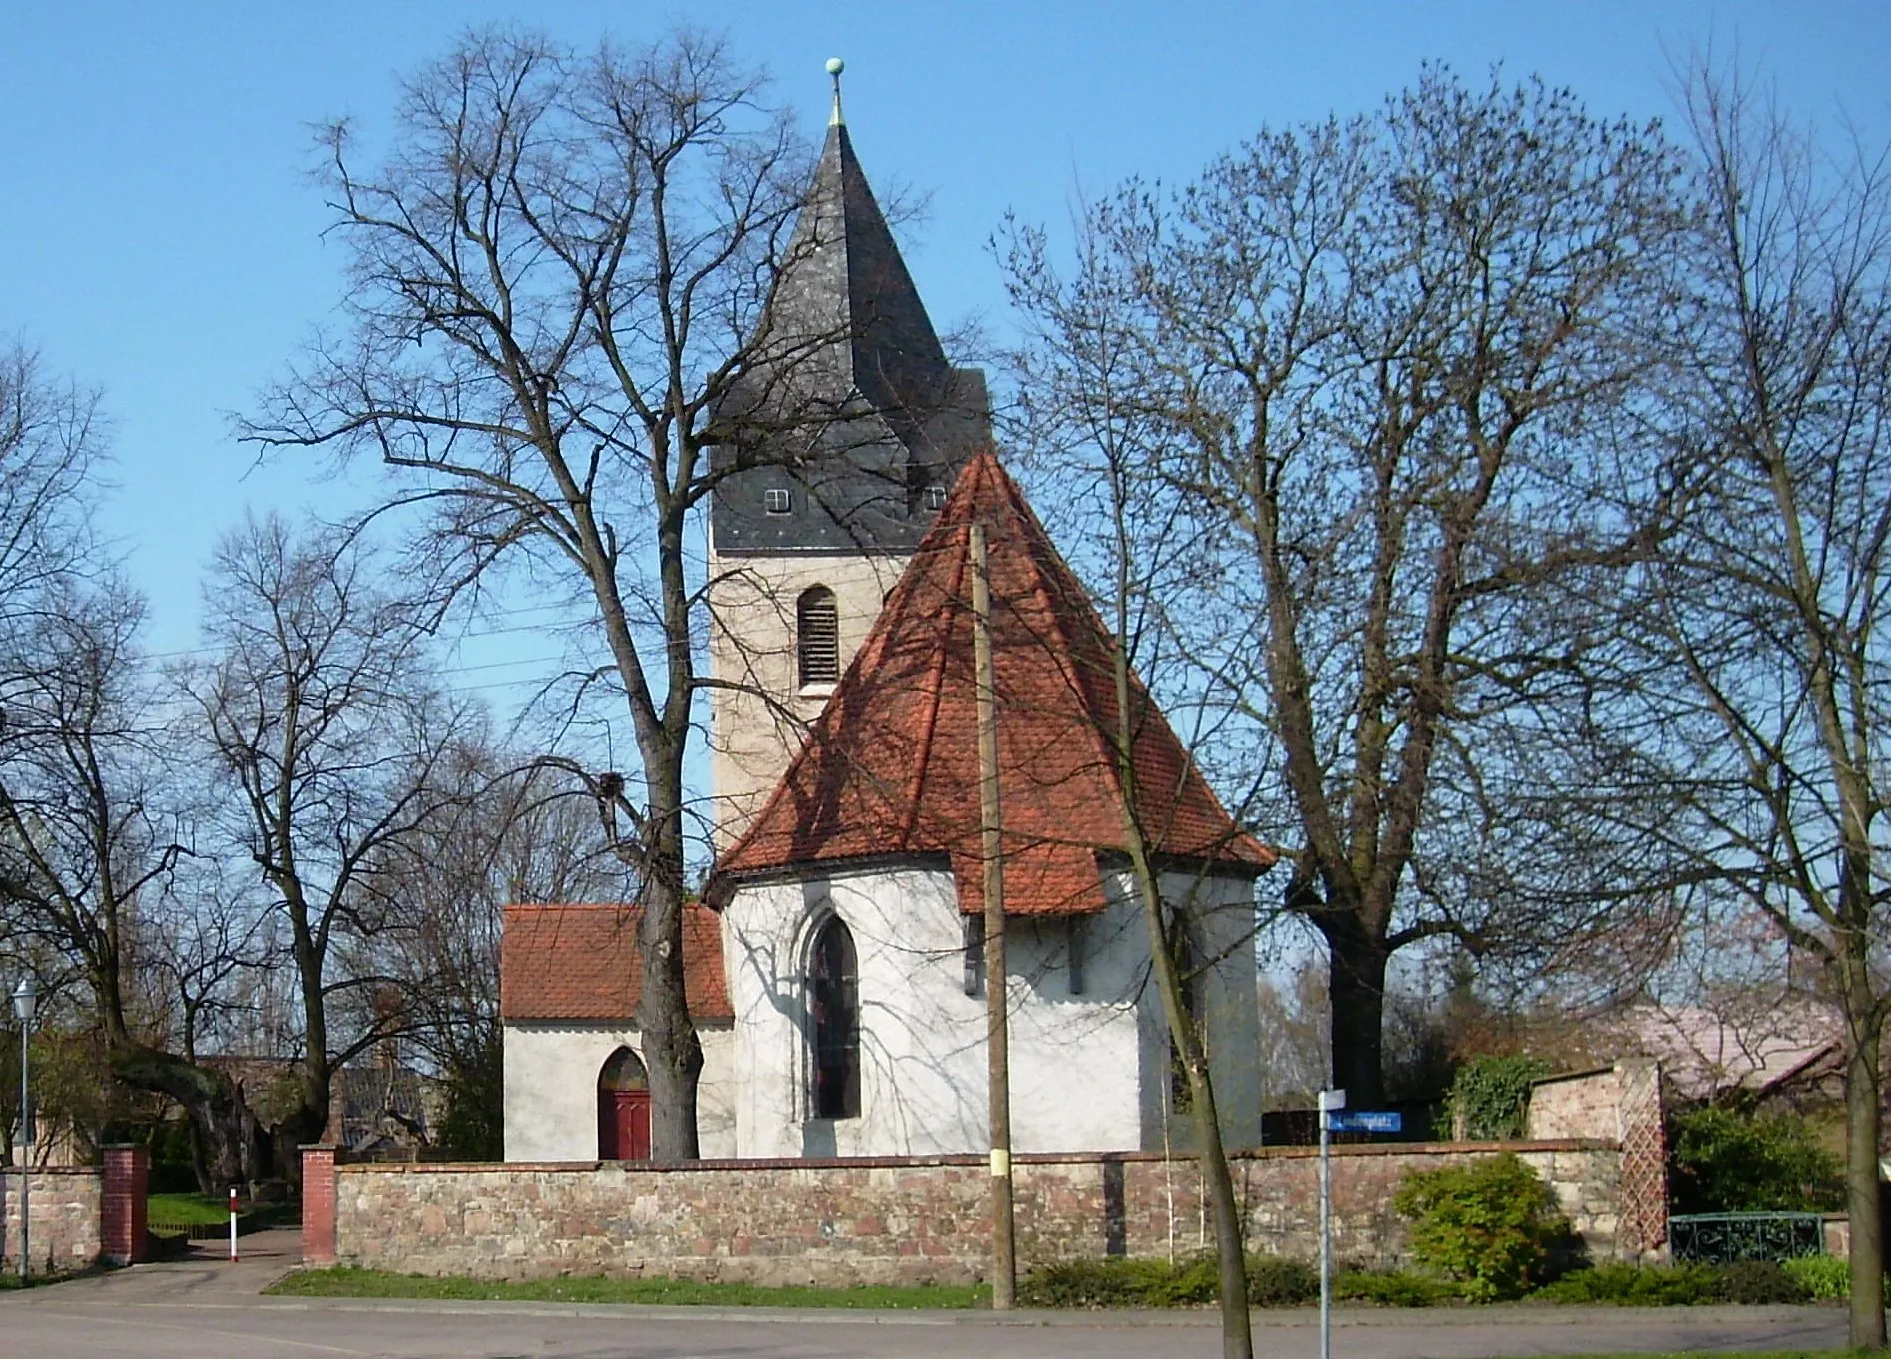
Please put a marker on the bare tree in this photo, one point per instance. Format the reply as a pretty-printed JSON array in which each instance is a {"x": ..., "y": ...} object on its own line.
[
  {"x": 529, "y": 834},
  {"x": 557, "y": 279},
  {"x": 1393, "y": 374},
  {"x": 1768, "y": 622},
  {"x": 90, "y": 836},
  {"x": 1085, "y": 422},
  {"x": 331, "y": 740},
  {"x": 51, "y": 446}
]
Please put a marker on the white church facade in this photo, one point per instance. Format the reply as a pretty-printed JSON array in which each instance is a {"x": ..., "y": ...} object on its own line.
[{"x": 835, "y": 966}]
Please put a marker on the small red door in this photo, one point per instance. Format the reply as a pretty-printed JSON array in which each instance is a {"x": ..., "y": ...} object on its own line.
[{"x": 624, "y": 1125}]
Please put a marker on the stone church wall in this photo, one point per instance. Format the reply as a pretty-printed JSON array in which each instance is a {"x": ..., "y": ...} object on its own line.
[{"x": 904, "y": 1220}]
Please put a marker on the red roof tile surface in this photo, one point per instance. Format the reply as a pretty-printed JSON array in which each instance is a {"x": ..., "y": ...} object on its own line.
[
  {"x": 891, "y": 765},
  {"x": 580, "y": 962}
]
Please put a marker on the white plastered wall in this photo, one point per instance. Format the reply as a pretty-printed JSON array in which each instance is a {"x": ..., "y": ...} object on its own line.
[
  {"x": 1223, "y": 922},
  {"x": 551, "y": 1111},
  {"x": 1088, "y": 1071},
  {"x": 752, "y": 644}
]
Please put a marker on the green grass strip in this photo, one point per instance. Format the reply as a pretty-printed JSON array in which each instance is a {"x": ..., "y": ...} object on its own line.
[
  {"x": 195, "y": 1209},
  {"x": 348, "y": 1282}
]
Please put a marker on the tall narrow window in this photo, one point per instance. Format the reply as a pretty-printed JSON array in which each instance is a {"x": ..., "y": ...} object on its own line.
[
  {"x": 834, "y": 1009},
  {"x": 817, "y": 636},
  {"x": 972, "y": 929},
  {"x": 1189, "y": 972}
]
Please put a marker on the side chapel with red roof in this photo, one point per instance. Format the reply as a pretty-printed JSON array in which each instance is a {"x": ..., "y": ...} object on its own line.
[{"x": 834, "y": 969}]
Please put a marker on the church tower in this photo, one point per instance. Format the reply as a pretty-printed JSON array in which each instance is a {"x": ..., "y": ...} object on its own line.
[{"x": 859, "y": 424}]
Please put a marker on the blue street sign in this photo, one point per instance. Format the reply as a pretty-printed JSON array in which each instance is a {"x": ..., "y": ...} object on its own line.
[{"x": 1366, "y": 1122}]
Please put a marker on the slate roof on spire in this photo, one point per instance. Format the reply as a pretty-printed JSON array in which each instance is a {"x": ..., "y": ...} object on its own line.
[
  {"x": 848, "y": 279},
  {"x": 890, "y": 768},
  {"x": 875, "y": 412}
]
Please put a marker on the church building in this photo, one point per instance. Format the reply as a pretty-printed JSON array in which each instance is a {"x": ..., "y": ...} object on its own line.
[{"x": 835, "y": 965}]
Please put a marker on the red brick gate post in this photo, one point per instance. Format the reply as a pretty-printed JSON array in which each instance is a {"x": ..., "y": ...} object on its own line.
[
  {"x": 122, "y": 1237},
  {"x": 318, "y": 1204}
]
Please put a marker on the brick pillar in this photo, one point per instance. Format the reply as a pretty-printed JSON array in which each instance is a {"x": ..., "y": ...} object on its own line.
[
  {"x": 122, "y": 1237},
  {"x": 318, "y": 1204},
  {"x": 1642, "y": 1229}
]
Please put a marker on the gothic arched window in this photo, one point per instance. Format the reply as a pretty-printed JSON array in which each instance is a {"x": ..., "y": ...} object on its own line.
[
  {"x": 817, "y": 636},
  {"x": 834, "y": 1019}
]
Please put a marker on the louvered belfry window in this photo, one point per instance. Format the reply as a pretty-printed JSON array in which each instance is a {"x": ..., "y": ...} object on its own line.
[{"x": 817, "y": 636}]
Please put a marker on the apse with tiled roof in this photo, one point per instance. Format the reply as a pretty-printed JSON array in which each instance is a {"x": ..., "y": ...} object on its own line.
[{"x": 871, "y": 838}]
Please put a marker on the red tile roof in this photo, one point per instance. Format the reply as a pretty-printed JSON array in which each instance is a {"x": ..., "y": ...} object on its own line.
[
  {"x": 891, "y": 765},
  {"x": 580, "y": 962}
]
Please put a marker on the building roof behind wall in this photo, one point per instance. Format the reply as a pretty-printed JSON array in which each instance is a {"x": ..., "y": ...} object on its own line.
[
  {"x": 579, "y": 962},
  {"x": 891, "y": 765}
]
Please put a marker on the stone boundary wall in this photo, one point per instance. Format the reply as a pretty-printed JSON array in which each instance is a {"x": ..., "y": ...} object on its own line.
[
  {"x": 67, "y": 1204},
  {"x": 1619, "y": 1104},
  {"x": 887, "y": 1220}
]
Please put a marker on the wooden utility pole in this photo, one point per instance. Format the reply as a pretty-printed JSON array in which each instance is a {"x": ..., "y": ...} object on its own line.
[{"x": 1004, "y": 1282}]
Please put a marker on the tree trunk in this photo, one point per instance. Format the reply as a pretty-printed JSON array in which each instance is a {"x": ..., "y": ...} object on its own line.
[
  {"x": 208, "y": 1098},
  {"x": 672, "y": 1054},
  {"x": 1861, "y": 1178},
  {"x": 1356, "y": 1002},
  {"x": 1237, "y": 1339}
]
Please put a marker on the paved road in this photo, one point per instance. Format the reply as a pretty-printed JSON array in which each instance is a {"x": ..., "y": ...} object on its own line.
[{"x": 205, "y": 1308}]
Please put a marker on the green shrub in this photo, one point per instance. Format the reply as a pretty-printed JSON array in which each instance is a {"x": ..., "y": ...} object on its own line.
[
  {"x": 1759, "y": 1282},
  {"x": 1826, "y": 1278},
  {"x": 1723, "y": 1161},
  {"x": 1636, "y": 1286},
  {"x": 1393, "y": 1288},
  {"x": 1684, "y": 1285},
  {"x": 1490, "y": 1096},
  {"x": 1491, "y": 1225},
  {"x": 1102, "y": 1283},
  {"x": 1281, "y": 1281},
  {"x": 1273, "y": 1281}
]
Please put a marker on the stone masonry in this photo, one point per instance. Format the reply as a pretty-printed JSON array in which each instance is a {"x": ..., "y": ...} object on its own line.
[
  {"x": 66, "y": 1203},
  {"x": 889, "y": 1220},
  {"x": 1619, "y": 1104}
]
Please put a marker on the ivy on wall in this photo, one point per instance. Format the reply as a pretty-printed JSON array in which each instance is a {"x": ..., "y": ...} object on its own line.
[{"x": 1489, "y": 1100}]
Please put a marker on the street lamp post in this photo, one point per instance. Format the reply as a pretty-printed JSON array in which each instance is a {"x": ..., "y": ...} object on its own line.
[{"x": 25, "y": 996}]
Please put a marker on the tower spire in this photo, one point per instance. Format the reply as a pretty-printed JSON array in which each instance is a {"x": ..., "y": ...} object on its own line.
[{"x": 834, "y": 67}]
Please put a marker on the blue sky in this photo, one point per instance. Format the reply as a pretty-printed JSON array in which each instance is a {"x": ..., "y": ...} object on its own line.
[{"x": 159, "y": 238}]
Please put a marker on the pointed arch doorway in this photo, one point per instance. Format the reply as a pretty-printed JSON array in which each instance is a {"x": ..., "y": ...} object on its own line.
[{"x": 623, "y": 1109}]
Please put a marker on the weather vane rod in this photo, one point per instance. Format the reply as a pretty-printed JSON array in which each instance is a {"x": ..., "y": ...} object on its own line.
[{"x": 834, "y": 67}]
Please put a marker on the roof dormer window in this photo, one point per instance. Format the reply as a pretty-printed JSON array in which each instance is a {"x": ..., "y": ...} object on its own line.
[
  {"x": 778, "y": 500},
  {"x": 935, "y": 498}
]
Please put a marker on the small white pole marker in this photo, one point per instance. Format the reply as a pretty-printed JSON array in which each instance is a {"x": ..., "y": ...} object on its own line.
[{"x": 232, "y": 1224}]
